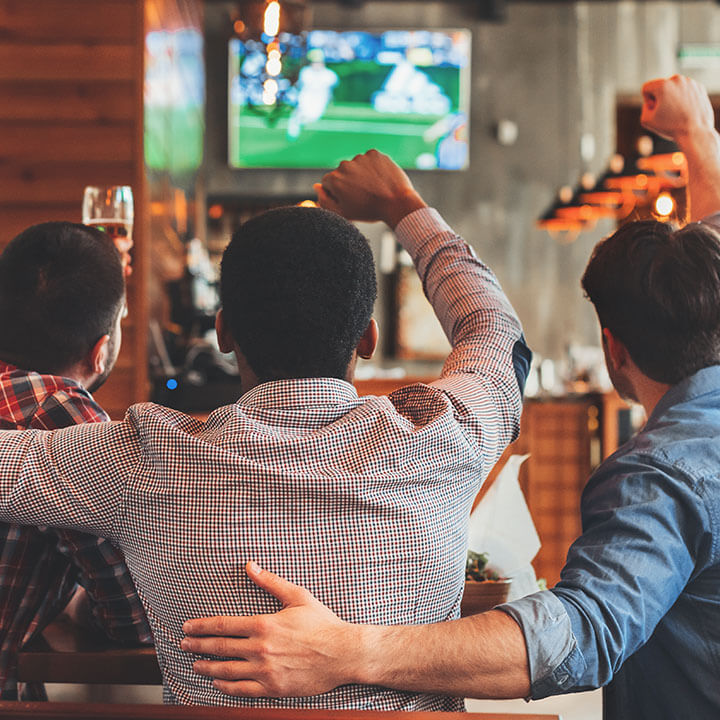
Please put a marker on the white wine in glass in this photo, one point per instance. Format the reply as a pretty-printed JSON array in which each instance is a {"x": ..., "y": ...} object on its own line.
[{"x": 110, "y": 208}]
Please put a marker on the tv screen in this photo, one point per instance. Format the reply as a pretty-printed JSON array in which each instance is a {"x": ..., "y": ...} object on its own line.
[{"x": 312, "y": 100}]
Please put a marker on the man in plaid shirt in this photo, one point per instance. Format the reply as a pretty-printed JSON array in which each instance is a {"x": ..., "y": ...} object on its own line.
[
  {"x": 61, "y": 300},
  {"x": 363, "y": 500}
]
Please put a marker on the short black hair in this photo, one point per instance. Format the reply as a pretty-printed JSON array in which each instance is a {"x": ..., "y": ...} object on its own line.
[
  {"x": 657, "y": 290},
  {"x": 297, "y": 289},
  {"x": 61, "y": 288}
]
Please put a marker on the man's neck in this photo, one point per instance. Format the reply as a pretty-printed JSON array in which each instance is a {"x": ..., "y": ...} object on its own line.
[{"x": 649, "y": 392}]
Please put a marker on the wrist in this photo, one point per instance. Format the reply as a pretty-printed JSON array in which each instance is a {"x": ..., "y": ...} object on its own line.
[
  {"x": 697, "y": 139},
  {"x": 400, "y": 207},
  {"x": 367, "y": 642}
]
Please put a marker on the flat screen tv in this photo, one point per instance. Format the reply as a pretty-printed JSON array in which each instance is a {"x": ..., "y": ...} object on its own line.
[{"x": 335, "y": 94}]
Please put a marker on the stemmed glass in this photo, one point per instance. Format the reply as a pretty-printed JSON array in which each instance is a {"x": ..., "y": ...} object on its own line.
[{"x": 110, "y": 208}]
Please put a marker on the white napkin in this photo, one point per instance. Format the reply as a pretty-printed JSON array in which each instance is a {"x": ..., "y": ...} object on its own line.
[{"x": 502, "y": 527}]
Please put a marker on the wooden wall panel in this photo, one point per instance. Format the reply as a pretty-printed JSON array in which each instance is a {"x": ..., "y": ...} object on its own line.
[
  {"x": 71, "y": 114},
  {"x": 15, "y": 218},
  {"x": 78, "y": 21},
  {"x": 77, "y": 100},
  {"x": 57, "y": 62},
  {"x": 66, "y": 142},
  {"x": 40, "y": 183}
]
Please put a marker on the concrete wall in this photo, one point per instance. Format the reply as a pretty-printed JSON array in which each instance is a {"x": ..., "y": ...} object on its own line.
[{"x": 556, "y": 70}]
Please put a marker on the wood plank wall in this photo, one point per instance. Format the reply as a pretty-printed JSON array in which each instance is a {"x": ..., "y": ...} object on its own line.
[{"x": 71, "y": 77}]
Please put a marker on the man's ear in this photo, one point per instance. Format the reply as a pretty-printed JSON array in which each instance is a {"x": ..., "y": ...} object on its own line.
[
  {"x": 368, "y": 341},
  {"x": 224, "y": 338},
  {"x": 616, "y": 350},
  {"x": 98, "y": 355}
]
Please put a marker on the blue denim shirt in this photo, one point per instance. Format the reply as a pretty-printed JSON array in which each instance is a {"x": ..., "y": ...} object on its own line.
[{"x": 638, "y": 603}]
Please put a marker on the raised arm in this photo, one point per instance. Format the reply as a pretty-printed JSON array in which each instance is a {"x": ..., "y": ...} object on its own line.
[
  {"x": 679, "y": 108},
  {"x": 485, "y": 372}
]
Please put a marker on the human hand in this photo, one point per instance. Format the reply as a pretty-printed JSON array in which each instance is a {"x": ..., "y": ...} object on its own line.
[
  {"x": 369, "y": 187},
  {"x": 78, "y": 608},
  {"x": 304, "y": 649},
  {"x": 676, "y": 107},
  {"x": 123, "y": 245}
]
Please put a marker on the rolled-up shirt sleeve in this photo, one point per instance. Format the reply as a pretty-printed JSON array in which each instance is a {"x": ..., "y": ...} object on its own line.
[{"x": 642, "y": 541}]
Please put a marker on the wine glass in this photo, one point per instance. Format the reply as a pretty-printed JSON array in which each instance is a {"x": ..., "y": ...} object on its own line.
[{"x": 110, "y": 209}]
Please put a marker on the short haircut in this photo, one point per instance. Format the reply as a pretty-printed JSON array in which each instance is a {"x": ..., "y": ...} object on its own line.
[
  {"x": 297, "y": 289},
  {"x": 61, "y": 288},
  {"x": 657, "y": 290}
]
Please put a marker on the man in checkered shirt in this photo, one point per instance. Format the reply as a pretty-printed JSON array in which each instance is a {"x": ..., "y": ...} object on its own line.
[
  {"x": 61, "y": 299},
  {"x": 363, "y": 500}
]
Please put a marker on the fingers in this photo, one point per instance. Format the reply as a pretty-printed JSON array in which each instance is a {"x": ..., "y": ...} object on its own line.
[
  {"x": 218, "y": 646},
  {"x": 226, "y": 626},
  {"x": 225, "y": 669},
  {"x": 326, "y": 200},
  {"x": 234, "y": 678},
  {"x": 242, "y": 688},
  {"x": 286, "y": 592}
]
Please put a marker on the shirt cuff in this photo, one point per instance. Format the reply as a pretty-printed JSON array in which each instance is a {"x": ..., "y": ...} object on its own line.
[
  {"x": 414, "y": 228},
  {"x": 554, "y": 660}
]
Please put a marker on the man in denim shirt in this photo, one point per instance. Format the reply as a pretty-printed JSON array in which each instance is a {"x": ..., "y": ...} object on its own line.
[{"x": 638, "y": 605}]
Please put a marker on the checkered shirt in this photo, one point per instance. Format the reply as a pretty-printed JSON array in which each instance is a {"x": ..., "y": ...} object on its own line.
[
  {"x": 39, "y": 567},
  {"x": 365, "y": 501}
]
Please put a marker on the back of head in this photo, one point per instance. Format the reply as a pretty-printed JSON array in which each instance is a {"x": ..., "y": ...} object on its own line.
[
  {"x": 61, "y": 288},
  {"x": 297, "y": 289},
  {"x": 658, "y": 291}
]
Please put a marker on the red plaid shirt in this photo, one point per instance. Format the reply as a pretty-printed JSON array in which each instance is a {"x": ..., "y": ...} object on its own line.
[
  {"x": 40, "y": 567},
  {"x": 365, "y": 501}
]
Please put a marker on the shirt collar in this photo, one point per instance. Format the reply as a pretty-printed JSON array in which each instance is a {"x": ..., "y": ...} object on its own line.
[
  {"x": 300, "y": 392},
  {"x": 700, "y": 383},
  {"x": 59, "y": 380},
  {"x": 6, "y": 368}
]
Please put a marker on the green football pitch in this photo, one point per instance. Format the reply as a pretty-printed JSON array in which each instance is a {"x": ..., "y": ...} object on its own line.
[{"x": 344, "y": 130}]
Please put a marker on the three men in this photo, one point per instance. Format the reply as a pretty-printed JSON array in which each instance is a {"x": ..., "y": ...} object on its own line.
[
  {"x": 62, "y": 296},
  {"x": 638, "y": 604}
]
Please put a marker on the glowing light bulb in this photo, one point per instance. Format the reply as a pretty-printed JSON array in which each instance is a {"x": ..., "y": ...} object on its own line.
[
  {"x": 272, "y": 18},
  {"x": 664, "y": 205},
  {"x": 270, "y": 91},
  {"x": 273, "y": 66}
]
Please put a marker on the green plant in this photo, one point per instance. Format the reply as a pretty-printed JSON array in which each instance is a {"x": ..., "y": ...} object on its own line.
[{"x": 476, "y": 567}]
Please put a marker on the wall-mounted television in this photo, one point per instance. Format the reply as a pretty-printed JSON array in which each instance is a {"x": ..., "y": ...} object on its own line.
[{"x": 335, "y": 94}]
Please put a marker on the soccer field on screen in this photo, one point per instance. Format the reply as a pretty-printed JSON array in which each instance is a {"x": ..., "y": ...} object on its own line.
[{"x": 343, "y": 131}]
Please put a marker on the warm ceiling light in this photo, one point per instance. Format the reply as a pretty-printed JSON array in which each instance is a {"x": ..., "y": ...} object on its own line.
[
  {"x": 271, "y": 25},
  {"x": 664, "y": 205}
]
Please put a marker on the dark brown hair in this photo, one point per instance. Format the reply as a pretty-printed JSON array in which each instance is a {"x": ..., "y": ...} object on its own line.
[
  {"x": 61, "y": 289},
  {"x": 657, "y": 290}
]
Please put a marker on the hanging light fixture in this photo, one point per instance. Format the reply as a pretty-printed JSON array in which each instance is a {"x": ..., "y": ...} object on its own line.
[
  {"x": 266, "y": 19},
  {"x": 564, "y": 220},
  {"x": 264, "y": 22},
  {"x": 610, "y": 203}
]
